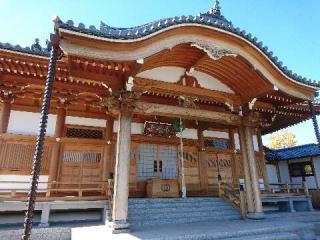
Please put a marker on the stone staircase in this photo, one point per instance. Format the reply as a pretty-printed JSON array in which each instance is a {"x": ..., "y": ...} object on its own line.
[
  {"x": 269, "y": 236},
  {"x": 162, "y": 211}
]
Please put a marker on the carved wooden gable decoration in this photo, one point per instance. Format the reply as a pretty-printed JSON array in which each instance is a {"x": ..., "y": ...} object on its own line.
[
  {"x": 158, "y": 129},
  {"x": 188, "y": 80}
]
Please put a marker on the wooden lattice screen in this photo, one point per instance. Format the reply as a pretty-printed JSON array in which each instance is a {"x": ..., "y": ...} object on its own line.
[{"x": 18, "y": 157}]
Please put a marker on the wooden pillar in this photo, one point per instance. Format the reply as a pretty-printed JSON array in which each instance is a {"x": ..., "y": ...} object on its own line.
[
  {"x": 122, "y": 172},
  {"x": 263, "y": 160},
  {"x": 235, "y": 180},
  {"x": 5, "y": 116},
  {"x": 107, "y": 164},
  {"x": 203, "y": 164},
  {"x": 258, "y": 213},
  {"x": 314, "y": 173},
  {"x": 55, "y": 156},
  {"x": 247, "y": 177}
]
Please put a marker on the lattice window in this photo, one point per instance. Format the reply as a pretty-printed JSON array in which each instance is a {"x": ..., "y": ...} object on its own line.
[
  {"x": 157, "y": 161},
  {"x": 169, "y": 162},
  {"x": 16, "y": 156},
  {"x": 217, "y": 143},
  {"x": 84, "y": 133},
  {"x": 81, "y": 157},
  {"x": 147, "y": 154}
]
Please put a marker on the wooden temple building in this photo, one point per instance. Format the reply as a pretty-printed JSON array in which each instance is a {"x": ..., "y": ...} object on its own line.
[{"x": 173, "y": 108}]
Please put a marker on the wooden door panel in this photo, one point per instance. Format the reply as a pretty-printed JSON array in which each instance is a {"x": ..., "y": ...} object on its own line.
[{"x": 219, "y": 164}]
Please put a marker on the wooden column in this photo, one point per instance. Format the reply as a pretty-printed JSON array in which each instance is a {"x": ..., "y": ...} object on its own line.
[
  {"x": 107, "y": 164},
  {"x": 122, "y": 172},
  {"x": 258, "y": 213},
  {"x": 235, "y": 180},
  {"x": 263, "y": 167},
  {"x": 247, "y": 177},
  {"x": 314, "y": 173},
  {"x": 5, "y": 116},
  {"x": 203, "y": 164},
  {"x": 55, "y": 156}
]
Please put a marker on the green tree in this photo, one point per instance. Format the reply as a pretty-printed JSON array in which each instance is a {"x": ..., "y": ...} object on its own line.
[{"x": 282, "y": 139}]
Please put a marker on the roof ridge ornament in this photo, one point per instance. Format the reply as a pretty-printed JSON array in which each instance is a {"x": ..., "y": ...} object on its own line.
[
  {"x": 36, "y": 47},
  {"x": 216, "y": 9},
  {"x": 214, "y": 15}
]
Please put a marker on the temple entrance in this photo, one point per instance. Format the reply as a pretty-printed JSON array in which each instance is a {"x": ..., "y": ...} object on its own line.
[
  {"x": 157, "y": 161},
  {"x": 219, "y": 166},
  {"x": 157, "y": 165}
]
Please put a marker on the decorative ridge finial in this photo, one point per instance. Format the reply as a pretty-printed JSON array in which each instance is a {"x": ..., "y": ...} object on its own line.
[
  {"x": 216, "y": 9},
  {"x": 214, "y": 14},
  {"x": 36, "y": 46}
]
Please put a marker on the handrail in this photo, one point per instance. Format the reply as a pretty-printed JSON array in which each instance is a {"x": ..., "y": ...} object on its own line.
[
  {"x": 235, "y": 196},
  {"x": 54, "y": 182},
  {"x": 289, "y": 188},
  {"x": 53, "y": 186}
]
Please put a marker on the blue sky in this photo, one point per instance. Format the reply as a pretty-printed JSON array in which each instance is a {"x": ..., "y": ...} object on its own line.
[{"x": 290, "y": 28}]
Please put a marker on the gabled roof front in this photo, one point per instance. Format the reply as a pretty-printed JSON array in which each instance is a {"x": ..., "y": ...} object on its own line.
[
  {"x": 212, "y": 18},
  {"x": 308, "y": 150}
]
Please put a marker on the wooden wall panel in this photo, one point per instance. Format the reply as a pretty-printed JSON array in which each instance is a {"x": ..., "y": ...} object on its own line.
[
  {"x": 80, "y": 163},
  {"x": 225, "y": 167},
  {"x": 16, "y": 157},
  {"x": 192, "y": 176},
  {"x": 212, "y": 160}
]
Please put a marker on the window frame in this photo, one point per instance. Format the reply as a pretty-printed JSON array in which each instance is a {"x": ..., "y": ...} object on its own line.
[{"x": 300, "y": 166}]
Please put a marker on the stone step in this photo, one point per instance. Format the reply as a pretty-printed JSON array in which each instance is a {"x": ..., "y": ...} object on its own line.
[
  {"x": 268, "y": 236},
  {"x": 182, "y": 220},
  {"x": 175, "y": 204},
  {"x": 162, "y": 211},
  {"x": 219, "y": 230},
  {"x": 183, "y": 208},
  {"x": 180, "y": 214},
  {"x": 189, "y": 199}
]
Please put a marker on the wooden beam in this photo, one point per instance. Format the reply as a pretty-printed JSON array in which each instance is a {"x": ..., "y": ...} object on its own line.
[
  {"x": 4, "y": 117},
  {"x": 142, "y": 84},
  {"x": 136, "y": 68},
  {"x": 145, "y": 108}
]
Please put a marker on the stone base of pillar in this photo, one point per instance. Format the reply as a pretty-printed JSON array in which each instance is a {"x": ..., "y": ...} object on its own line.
[
  {"x": 256, "y": 216},
  {"x": 120, "y": 227},
  {"x": 106, "y": 215}
]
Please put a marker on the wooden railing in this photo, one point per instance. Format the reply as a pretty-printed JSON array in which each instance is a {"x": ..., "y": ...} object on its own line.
[
  {"x": 235, "y": 196},
  {"x": 287, "y": 188},
  {"x": 53, "y": 190}
]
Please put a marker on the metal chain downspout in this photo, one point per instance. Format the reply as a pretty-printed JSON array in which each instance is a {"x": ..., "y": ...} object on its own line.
[
  {"x": 40, "y": 139},
  {"x": 314, "y": 120},
  {"x": 183, "y": 180}
]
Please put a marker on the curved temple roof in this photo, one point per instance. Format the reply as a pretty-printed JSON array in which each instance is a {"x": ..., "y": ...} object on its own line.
[
  {"x": 308, "y": 150},
  {"x": 212, "y": 18}
]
